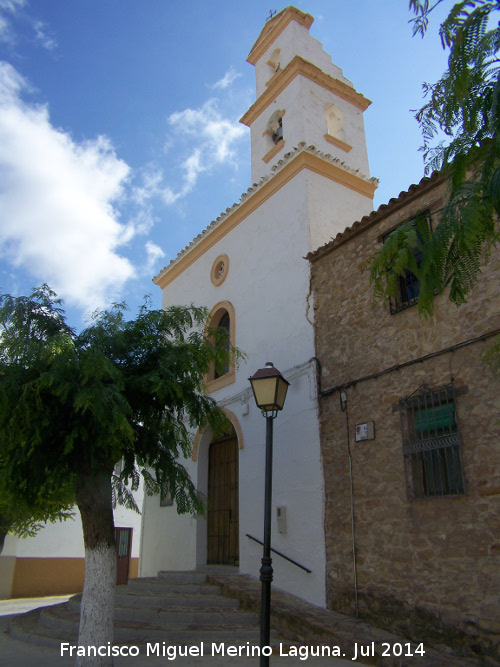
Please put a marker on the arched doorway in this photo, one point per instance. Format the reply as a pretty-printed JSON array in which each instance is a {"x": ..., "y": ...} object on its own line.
[{"x": 223, "y": 510}]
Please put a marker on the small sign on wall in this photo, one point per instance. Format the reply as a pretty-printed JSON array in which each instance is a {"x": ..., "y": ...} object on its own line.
[{"x": 365, "y": 431}]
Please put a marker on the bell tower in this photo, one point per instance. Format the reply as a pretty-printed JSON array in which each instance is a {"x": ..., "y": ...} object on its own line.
[{"x": 302, "y": 98}]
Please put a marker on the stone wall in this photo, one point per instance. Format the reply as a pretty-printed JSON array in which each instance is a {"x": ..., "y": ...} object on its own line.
[{"x": 426, "y": 568}]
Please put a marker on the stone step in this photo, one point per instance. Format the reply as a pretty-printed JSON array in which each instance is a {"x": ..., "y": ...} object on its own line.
[
  {"x": 67, "y": 614},
  {"x": 156, "y": 586},
  {"x": 180, "y": 577},
  {"x": 305, "y": 624},
  {"x": 126, "y": 600},
  {"x": 175, "y": 607},
  {"x": 28, "y": 628}
]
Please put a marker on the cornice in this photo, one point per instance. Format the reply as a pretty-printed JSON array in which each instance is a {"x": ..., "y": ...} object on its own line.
[
  {"x": 283, "y": 78},
  {"x": 286, "y": 169},
  {"x": 274, "y": 27}
]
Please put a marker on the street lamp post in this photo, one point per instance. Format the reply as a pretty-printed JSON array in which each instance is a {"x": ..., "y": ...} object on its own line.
[{"x": 269, "y": 389}]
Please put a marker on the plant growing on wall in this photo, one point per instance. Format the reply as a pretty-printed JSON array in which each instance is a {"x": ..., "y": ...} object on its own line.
[
  {"x": 464, "y": 105},
  {"x": 72, "y": 405}
]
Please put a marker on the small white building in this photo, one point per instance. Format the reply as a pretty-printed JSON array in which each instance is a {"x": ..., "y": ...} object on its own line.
[
  {"x": 310, "y": 181},
  {"x": 53, "y": 561}
]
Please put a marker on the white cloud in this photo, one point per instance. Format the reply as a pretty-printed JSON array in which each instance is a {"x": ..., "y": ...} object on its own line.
[
  {"x": 152, "y": 187},
  {"x": 227, "y": 79},
  {"x": 43, "y": 36},
  {"x": 154, "y": 253},
  {"x": 16, "y": 11},
  {"x": 58, "y": 202},
  {"x": 216, "y": 139},
  {"x": 4, "y": 28},
  {"x": 11, "y": 7}
]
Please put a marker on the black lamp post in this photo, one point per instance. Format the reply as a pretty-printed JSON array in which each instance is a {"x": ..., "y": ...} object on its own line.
[{"x": 269, "y": 390}]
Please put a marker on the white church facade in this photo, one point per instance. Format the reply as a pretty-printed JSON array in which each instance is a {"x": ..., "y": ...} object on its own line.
[{"x": 310, "y": 180}]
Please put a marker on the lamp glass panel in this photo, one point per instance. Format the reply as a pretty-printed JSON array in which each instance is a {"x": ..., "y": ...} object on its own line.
[
  {"x": 265, "y": 392},
  {"x": 282, "y": 389}
]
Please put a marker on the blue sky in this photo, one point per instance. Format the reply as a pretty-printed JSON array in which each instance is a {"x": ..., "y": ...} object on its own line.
[{"x": 119, "y": 132}]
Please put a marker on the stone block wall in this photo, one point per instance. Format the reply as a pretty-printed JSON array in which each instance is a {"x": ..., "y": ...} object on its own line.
[{"x": 427, "y": 568}]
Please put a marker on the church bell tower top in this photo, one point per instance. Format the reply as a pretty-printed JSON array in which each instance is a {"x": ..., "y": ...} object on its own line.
[
  {"x": 274, "y": 26},
  {"x": 302, "y": 98}
]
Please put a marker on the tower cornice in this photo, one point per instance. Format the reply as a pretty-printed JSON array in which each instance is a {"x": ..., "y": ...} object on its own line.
[{"x": 300, "y": 66}]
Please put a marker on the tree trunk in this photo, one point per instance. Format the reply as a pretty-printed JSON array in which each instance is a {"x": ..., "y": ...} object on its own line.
[{"x": 97, "y": 608}]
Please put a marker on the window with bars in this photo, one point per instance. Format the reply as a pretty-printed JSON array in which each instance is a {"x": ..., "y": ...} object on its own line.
[
  {"x": 431, "y": 443},
  {"x": 408, "y": 288}
]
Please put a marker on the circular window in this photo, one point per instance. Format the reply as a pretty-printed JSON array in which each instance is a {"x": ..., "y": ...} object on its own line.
[{"x": 219, "y": 270}]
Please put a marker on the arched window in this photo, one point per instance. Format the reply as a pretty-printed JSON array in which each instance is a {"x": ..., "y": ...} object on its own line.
[
  {"x": 222, "y": 316},
  {"x": 224, "y": 323},
  {"x": 275, "y": 141}
]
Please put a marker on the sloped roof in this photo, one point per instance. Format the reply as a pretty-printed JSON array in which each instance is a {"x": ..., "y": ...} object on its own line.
[
  {"x": 383, "y": 211},
  {"x": 256, "y": 187}
]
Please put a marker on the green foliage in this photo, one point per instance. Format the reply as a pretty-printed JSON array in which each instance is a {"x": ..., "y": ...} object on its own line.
[
  {"x": 24, "y": 518},
  {"x": 72, "y": 405},
  {"x": 400, "y": 254},
  {"x": 464, "y": 105}
]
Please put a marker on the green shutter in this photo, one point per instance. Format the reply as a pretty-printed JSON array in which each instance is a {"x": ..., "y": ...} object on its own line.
[{"x": 436, "y": 418}]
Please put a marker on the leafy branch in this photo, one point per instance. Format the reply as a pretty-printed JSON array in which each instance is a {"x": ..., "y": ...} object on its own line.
[{"x": 465, "y": 105}]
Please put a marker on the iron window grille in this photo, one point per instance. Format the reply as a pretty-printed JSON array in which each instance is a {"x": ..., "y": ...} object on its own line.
[
  {"x": 431, "y": 443},
  {"x": 408, "y": 288}
]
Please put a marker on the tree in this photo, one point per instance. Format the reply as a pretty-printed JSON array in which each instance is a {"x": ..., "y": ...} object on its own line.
[
  {"x": 465, "y": 105},
  {"x": 24, "y": 518},
  {"x": 24, "y": 509},
  {"x": 73, "y": 405}
]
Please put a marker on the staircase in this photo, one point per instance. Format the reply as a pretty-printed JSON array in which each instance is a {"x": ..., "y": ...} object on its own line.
[
  {"x": 187, "y": 608},
  {"x": 175, "y": 607}
]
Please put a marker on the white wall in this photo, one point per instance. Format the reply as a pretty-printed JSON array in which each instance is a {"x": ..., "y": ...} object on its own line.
[
  {"x": 65, "y": 539},
  {"x": 295, "y": 40},
  {"x": 304, "y": 120},
  {"x": 332, "y": 207},
  {"x": 268, "y": 286}
]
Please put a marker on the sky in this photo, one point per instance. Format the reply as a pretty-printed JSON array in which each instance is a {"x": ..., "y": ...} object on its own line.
[{"x": 120, "y": 138}]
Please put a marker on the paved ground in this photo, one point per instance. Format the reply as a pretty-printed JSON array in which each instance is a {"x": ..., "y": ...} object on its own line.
[{"x": 14, "y": 653}]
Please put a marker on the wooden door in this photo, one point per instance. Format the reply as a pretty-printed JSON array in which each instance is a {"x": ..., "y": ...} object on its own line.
[
  {"x": 223, "y": 521},
  {"x": 123, "y": 539}
]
